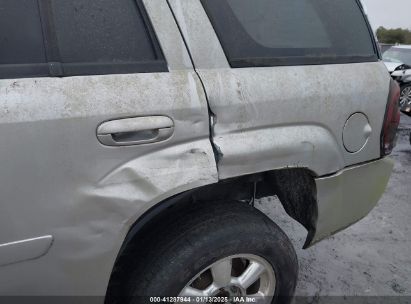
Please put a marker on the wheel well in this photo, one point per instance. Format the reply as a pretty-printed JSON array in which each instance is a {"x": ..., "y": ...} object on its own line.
[{"x": 295, "y": 188}]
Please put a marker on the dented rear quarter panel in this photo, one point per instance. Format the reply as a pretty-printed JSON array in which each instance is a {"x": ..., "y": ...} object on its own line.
[
  {"x": 276, "y": 117},
  {"x": 271, "y": 118}
]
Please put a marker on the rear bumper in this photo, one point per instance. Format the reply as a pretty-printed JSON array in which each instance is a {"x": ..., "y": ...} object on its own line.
[{"x": 348, "y": 196}]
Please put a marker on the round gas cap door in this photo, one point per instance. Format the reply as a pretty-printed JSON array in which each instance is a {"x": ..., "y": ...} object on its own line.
[{"x": 357, "y": 131}]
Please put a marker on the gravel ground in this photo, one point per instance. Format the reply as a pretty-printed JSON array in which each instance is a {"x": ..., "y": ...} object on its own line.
[{"x": 371, "y": 258}]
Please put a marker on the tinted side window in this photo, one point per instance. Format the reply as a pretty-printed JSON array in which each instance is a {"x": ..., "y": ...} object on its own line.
[
  {"x": 76, "y": 37},
  {"x": 104, "y": 36},
  {"x": 291, "y": 32},
  {"x": 21, "y": 39}
]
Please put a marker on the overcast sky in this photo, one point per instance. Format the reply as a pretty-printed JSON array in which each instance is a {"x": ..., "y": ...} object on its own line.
[{"x": 389, "y": 13}]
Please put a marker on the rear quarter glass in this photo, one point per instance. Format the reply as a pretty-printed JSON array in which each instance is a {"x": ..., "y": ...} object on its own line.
[{"x": 291, "y": 32}]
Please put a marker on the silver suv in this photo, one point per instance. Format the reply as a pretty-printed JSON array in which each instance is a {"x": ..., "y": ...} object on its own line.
[{"x": 136, "y": 135}]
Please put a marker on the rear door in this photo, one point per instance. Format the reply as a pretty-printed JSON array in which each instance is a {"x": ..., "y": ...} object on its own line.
[
  {"x": 101, "y": 117},
  {"x": 282, "y": 79}
]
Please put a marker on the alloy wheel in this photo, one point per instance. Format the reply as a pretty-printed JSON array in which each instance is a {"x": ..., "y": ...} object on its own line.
[
  {"x": 405, "y": 98},
  {"x": 242, "y": 275}
]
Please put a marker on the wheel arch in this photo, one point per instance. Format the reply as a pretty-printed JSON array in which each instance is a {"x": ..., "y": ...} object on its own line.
[{"x": 295, "y": 187}]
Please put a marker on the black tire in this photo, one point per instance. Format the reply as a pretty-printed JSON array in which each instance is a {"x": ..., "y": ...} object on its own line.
[{"x": 202, "y": 235}]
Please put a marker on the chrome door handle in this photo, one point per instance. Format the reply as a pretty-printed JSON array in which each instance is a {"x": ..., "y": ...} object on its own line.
[{"x": 135, "y": 131}]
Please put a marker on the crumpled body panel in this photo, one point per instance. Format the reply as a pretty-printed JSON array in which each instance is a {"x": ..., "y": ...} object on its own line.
[
  {"x": 58, "y": 180},
  {"x": 267, "y": 118},
  {"x": 290, "y": 117}
]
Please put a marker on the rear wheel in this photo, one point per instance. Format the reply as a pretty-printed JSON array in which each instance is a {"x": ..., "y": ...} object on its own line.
[{"x": 225, "y": 249}]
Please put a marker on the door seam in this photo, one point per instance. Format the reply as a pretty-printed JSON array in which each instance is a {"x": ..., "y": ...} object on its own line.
[{"x": 211, "y": 114}]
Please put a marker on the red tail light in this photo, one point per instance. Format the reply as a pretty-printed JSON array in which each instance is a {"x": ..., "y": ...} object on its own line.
[{"x": 391, "y": 121}]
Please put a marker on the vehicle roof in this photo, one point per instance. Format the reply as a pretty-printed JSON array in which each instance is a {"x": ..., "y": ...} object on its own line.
[{"x": 405, "y": 46}]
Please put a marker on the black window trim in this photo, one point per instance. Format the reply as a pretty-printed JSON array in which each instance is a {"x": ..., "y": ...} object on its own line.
[
  {"x": 49, "y": 33},
  {"x": 55, "y": 68},
  {"x": 377, "y": 49},
  {"x": 253, "y": 62},
  {"x": 150, "y": 29}
]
